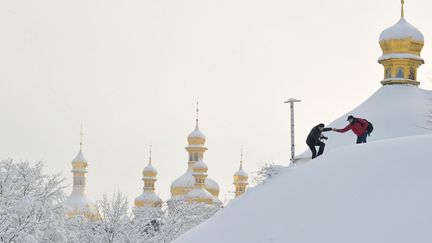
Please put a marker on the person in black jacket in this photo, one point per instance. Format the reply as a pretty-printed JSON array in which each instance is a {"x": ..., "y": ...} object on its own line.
[{"x": 314, "y": 139}]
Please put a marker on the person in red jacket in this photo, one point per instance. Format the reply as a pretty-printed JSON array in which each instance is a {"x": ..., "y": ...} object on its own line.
[{"x": 358, "y": 126}]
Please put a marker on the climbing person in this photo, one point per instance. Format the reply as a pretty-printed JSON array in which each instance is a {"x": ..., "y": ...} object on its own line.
[
  {"x": 314, "y": 139},
  {"x": 360, "y": 127}
]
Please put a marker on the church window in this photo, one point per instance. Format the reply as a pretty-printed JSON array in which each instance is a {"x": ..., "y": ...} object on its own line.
[
  {"x": 195, "y": 157},
  {"x": 412, "y": 74},
  {"x": 190, "y": 157},
  {"x": 400, "y": 73},
  {"x": 388, "y": 73}
]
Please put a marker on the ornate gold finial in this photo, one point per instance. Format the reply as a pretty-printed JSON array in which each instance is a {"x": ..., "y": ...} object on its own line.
[
  {"x": 197, "y": 113},
  {"x": 81, "y": 137},
  {"x": 150, "y": 154},
  {"x": 402, "y": 8}
]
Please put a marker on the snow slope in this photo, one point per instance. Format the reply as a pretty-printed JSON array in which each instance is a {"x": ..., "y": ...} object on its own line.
[
  {"x": 374, "y": 192},
  {"x": 394, "y": 110}
]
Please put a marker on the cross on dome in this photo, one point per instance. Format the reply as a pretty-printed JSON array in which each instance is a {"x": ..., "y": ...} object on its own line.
[
  {"x": 81, "y": 137},
  {"x": 150, "y": 155},
  {"x": 197, "y": 113}
]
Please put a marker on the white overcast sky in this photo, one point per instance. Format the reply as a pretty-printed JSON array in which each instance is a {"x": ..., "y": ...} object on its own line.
[{"x": 131, "y": 72}]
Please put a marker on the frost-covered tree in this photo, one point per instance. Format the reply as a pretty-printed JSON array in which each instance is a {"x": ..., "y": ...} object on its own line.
[
  {"x": 267, "y": 171},
  {"x": 115, "y": 224},
  {"x": 30, "y": 204},
  {"x": 181, "y": 216},
  {"x": 31, "y": 210}
]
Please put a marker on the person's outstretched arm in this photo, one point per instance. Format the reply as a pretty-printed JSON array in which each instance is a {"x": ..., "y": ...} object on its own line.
[{"x": 345, "y": 129}]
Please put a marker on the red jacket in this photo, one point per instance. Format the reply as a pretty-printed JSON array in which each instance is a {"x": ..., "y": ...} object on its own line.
[{"x": 359, "y": 127}]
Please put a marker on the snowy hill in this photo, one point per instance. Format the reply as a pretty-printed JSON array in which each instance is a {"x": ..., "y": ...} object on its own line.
[
  {"x": 375, "y": 192},
  {"x": 394, "y": 110}
]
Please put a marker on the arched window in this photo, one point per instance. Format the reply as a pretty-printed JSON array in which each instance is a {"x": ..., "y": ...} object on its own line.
[
  {"x": 400, "y": 73},
  {"x": 190, "y": 157},
  {"x": 388, "y": 73},
  {"x": 195, "y": 157},
  {"x": 412, "y": 74}
]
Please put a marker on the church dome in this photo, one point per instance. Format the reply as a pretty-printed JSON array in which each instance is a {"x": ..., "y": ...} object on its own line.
[
  {"x": 212, "y": 187},
  {"x": 200, "y": 195},
  {"x": 402, "y": 30},
  {"x": 148, "y": 199},
  {"x": 79, "y": 158},
  {"x": 401, "y": 46},
  {"x": 241, "y": 174},
  {"x": 149, "y": 171},
  {"x": 196, "y": 137},
  {"x": 78, "y": 204},
  {"x": 185, "y": 183}
]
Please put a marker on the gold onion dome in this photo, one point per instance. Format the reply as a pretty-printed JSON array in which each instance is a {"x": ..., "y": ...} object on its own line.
[
  {"x": 401, "y": 45},
  {"x": 79, "y": 158},
  {"x": 196, "y": 149},
  {"x": 149, "y": 171},
  {"x": 78, "y": 203},
  {"x": 241, "y": 175},
  {"x": 240, "y": 179},
  {"x": 199, "y": 194},
  {"x": 149, "y": 198},
  {"x": 196, "y": 137}
]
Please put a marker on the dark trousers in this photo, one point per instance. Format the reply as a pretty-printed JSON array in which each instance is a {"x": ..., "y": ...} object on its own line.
[
  {"x": 313, "y": 149},
  {"x": 362, "y": 138}
]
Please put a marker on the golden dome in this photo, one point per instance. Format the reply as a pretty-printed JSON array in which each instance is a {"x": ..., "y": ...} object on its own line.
[
  {"x": 199, "y": 194},
  {"x": 196, "y": 137},
  {"x": 240, "y": 179},
  {"x": 401, "y": 45},
  {"x": 149, "y": 198}
]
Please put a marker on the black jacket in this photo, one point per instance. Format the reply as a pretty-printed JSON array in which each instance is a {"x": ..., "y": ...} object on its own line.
[{"x": 315, "y": 135}]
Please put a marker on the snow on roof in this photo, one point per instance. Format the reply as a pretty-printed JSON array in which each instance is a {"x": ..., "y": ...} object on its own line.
[
  {"x": 401, "y": 30},
  {"x": 148, "y": 197},
  {"x": 200, "y": 165},
  {"x": 197, "y": 134},
  {"x": 199, "y": 193},
  {"x": 241, "y": 172},
  {"x": 79, "y": 157},
  {"x": 400, "y": 56},
  {"x": 211, "y": 184},
  {"x": 149, "y": 168},
  {"x": 188, "y": 180},
  {"x": 79, "y": 201}
]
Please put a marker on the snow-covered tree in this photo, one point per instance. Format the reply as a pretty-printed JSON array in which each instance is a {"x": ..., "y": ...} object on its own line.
[
  {"x": 267, "y": 171},
  {"x": 30, "y": 204},
  {"x": 31, "y": 210},
  {"x": 181, "y": 216}
]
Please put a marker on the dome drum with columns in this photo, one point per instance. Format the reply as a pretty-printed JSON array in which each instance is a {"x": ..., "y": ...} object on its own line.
[
  {"x": 401, "y": 45},
  {"x": 78, "y": 203}
]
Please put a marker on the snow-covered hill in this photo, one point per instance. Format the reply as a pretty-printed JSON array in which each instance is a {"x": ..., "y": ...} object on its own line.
[
  {"x": 374, "y": 192},
  {"x": 394, "y": 110}
]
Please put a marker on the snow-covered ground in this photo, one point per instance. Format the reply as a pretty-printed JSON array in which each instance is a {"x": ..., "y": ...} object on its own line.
[
  {"x": 394, "y": 110},
  {"x": 374, "y": 192}
]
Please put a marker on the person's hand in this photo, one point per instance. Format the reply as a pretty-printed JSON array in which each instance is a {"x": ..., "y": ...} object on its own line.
[{"x": 334, "y": 129}]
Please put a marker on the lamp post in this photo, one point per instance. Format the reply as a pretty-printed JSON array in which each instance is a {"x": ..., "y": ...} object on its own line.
[{"x": 291, "y": 101}]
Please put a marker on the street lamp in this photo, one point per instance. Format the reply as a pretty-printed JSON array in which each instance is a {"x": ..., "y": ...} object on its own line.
[{"x": 291, "y": 101}]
